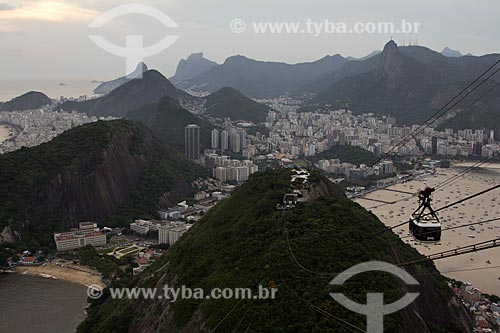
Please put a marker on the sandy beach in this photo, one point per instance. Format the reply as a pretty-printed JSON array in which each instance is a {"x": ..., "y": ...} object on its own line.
[
  {"x": 55, "y": 271},
  {"x": 4, "y": 132},
  {"x": 482, "y": 269}
]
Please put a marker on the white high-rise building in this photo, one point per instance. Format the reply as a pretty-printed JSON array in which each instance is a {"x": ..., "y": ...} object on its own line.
[
  {"x": 235, "y": 141},
  {"x": 215, "y": 139},
  {"x": 224, "y": 140}
]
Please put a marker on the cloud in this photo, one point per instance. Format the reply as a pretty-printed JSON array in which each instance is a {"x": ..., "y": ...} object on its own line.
[{"x": 51, "y": 11}]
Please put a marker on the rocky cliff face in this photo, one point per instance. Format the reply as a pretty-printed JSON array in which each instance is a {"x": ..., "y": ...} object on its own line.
[
  {"x": 194, "y": 65},
  {"x": 93, "y": 196},
  {"x": 390, "y": 61}
]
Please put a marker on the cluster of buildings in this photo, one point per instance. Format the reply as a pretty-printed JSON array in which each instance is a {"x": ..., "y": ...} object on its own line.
[
  {"x": 35, "y": 127},
  {"x": 168, "y": 231},
  {"x": 226, "y": 169},
  {"x": 144, "y": 259},
  {"x": 348, "y": 170},
  {"x": 231, "y": 139},
  {"x": 484, "y": 313},
  {"x": 294, "y": 134},
  {"x": 26, "y": 258},
  {"x": 87, "y": 233},
  {"x": 464, "y": 143}
]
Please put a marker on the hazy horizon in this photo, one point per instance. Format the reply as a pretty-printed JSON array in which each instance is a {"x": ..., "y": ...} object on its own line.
[{"x": 49, "y": 38}]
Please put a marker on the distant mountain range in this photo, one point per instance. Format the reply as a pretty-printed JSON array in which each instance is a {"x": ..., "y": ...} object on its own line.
[
  {"x": 29, "y": 101},
  {"x": 260, "y": 78},
  {"x": 124, "y": 100},
  {"x": 191, "y": 67},
  {"x": 106, "y": 87},
  {"x": 410, "y": 83},
  {"x": 111, "y": 171}
]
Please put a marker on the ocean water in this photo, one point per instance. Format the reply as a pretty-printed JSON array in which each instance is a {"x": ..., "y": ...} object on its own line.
[
  {"x": 30, "y": 304},
  {"x": 54, "y": 88}
]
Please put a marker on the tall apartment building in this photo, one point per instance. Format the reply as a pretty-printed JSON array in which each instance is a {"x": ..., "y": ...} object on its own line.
[
  {"x": 192, "y": 141},
  {"x": 215, "y": 139},
  {"x": 235, "y": 141},
  {"x": 87, "y": 234},
  {"x": 224, "y": 140},
  {"x": 170, "y": 233}
]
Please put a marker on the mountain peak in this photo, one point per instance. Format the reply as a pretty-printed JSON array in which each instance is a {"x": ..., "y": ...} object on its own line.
[
  {"x": 106, "y": 87},
  {"x": 390, "y": 59},
  {"x": 136, "y": 92},
  {"x": 198, "y": 55},
  {"x": 450, "y": 53},
  {"x": 192, "y": 66},
  {"x": 390, "y": 45},
  {"x": 28, "y": 101}
]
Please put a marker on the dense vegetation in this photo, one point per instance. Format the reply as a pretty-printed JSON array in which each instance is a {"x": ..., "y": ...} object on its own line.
[
  {"x": 347, "y": 154},
  {"x": 229, "y": 102},
  {"x": 167, "y": 120},
  {"x": 26, "y": 173},
  {"x": 169, "y": 168},
  {"x": 242, "y": 243}
]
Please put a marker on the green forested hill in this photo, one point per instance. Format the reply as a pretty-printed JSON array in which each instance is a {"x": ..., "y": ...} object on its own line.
[
  {"x": 167, "y": 120},
  {"x": 347, "y": 154},
  {"x": 105, "y": 171},
  {"x": 229, "y": 102},
  {"x": 242, "y": 243}
]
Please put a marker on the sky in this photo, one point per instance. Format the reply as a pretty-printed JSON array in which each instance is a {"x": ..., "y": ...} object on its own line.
[{"x": 50, "y": 38}]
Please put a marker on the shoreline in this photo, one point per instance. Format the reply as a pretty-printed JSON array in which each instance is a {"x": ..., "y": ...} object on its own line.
[
  {"x": 5, "y": 132},
  {"x": 57, "y": 272}
]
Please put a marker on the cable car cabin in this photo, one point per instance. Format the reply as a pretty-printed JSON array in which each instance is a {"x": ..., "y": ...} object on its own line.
[
  {"x": 424, "y": 223},
  {"x": 425, "y": 231}
]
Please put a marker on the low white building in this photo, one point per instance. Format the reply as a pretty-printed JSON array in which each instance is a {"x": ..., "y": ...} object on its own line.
[{"x": 143, "y": 227}]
